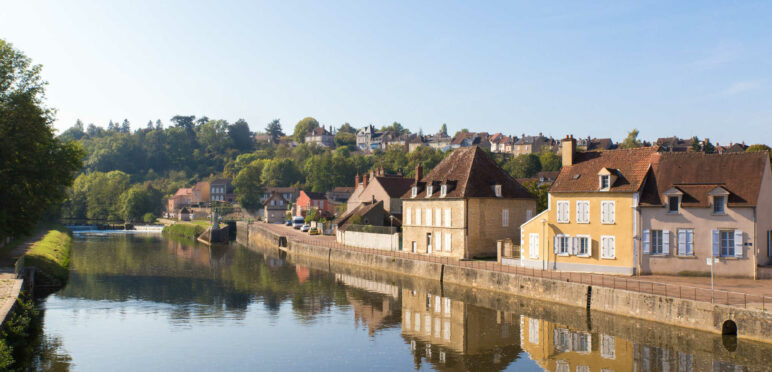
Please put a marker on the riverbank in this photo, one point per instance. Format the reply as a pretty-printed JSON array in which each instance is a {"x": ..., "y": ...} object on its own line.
[
  {"x": 50, "y": 258},
  {"x": 748, "y": 323}
]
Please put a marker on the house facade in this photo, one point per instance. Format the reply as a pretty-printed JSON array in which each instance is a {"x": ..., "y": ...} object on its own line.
[
  {"x": 201, "y": 192},
  {"x": 463, "y": 206},
  {"x": 591, "y": 222},
  {"x": 275, "y": 208},
  {"x": 379, "y": 186},
  {"x": 221, "y": 190},
  {"x": 531, "y": 144},
  {"x": 320, "y": 137},
  {"x": 312, "y": 200},
  {"x": 182, "y": 198},
  {"x": 290, "y": 194},
  {"x": 696, "y": 206}
]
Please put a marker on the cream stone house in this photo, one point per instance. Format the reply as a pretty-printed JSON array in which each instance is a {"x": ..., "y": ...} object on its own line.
[
  {"x": 463, "y": 206},
  {"x": 696, "y": 205},
  {"x": 379, "y": 186}
]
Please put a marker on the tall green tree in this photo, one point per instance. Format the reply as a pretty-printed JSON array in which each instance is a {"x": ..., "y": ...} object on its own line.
[
  {"x": 249, "y": 186},
  {"x": 523, "y": 166},
  {"x": 240, "y": 136},
  {"x": 444, "y": 129},
  {"x": 695, "y": 144},
  {"x": 273, "y": 129},
  {"x": 396, "y": 128},
  {"x": 631, "y": 141},
  {"x": 281, "y": 172},
  {"x": 35, "y": 167},
  {"x": 708, "y": 147},
  {"x": 304, "y": 126},
  {"x": 549, "y": 161}
]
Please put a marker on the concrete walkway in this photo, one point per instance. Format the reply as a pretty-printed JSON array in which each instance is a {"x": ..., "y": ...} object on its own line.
[{"x": 674, "y": 286}]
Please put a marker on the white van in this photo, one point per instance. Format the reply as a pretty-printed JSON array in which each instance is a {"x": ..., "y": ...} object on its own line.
[{"x": 297, "y": 222}]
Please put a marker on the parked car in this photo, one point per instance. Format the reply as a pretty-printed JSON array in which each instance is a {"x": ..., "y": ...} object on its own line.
[
  {"x": 305, "y": 228},
  {"x": 297, "y": 222},
  {"x": 288, "y": 223},
  {"x": 313, "y": 231}
]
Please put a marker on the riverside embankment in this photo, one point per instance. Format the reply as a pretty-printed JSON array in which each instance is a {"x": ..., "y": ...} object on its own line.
[{"x": 751, "y": 324}]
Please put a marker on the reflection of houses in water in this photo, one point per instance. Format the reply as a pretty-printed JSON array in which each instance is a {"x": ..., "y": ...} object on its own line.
[
  {"x": 455, "y": 335},
  {"x": 200, "y": 255},
  {"x": 561, "y": 349},
  {"x": 376, "y": 306},
  {"x": 302, "y": 272}
]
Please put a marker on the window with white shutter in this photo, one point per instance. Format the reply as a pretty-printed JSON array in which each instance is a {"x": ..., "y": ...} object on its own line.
[
  {"x": 582, "y": 211},
  {"x": 438, "y": 245},
  {"x": 563, "y": 211},
  {"x": 607, "y": 212},
  {"x": 607, "y": 247},
  {"x": 447, "y": 242},
  {"x": 418, "y": 216},
  {"x": 447, "y": 217},
  {"x": 533, "y": 245},
  {"x": 428, "y": 217},
  {"x": 408, "y": 216},
  {"x": 438, "y": 216}
]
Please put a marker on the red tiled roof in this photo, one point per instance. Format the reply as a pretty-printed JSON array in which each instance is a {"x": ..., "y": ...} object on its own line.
[
  {"x": 470, "y": 173},
  {"x": 395, "y": 186},
  {"x": 630, "y": 166},
  {"x": 184, "y": 191},
  {"x": 695, "y": 174}
]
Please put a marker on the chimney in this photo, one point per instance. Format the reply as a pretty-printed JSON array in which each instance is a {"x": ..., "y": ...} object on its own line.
[
  {"x": 569, "y": 150},
  {"x": 419, "y": 172},
  {"x": 356, "y": 181},
  {"x": 364, "y": 181}
]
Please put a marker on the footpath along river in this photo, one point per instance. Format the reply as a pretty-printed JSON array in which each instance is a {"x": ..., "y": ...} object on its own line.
[{"x": 144, "y": 302}]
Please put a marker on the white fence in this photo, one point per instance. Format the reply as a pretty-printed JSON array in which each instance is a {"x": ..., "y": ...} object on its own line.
[{"x": 389, "y": 242}]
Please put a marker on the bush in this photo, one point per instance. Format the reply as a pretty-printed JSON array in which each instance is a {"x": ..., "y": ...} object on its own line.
[
  {"x": 185, "y": 230},
  {"x": 148, "y": 218},
  {"x": 51, "y": 256}
]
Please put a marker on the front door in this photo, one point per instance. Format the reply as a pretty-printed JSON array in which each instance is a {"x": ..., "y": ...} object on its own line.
[
  {"x": 428, "y": 243},
  {"x": 414, "y": 245}
]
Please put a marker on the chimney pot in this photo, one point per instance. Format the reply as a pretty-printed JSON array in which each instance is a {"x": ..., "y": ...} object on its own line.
[{"x": 419, "y": 173}]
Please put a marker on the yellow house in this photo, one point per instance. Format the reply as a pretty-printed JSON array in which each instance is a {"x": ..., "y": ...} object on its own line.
[
  {"x": 463, "y": 206},
  {"x": 592, "y": 218}
]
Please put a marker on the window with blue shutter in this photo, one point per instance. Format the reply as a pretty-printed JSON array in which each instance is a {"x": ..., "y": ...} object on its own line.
[
  {"x": 646, "y": 242},
  {"x": 738, "y": 243},
  {"x": 665, "y": 242},
  {"x": 681, "y": 242},
  {"x": 716, "y": 250}
]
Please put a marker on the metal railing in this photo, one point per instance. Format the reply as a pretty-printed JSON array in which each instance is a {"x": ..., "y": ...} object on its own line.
[{"x": 716, "y": 296}]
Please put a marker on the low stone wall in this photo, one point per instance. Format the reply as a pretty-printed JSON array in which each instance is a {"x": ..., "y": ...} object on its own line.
[
  {"x": 389, "y": 242},
  {"x": 751, "y": 324}
]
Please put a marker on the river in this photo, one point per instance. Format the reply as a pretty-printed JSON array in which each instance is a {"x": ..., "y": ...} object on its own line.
[{"x": 143, "y": 302}]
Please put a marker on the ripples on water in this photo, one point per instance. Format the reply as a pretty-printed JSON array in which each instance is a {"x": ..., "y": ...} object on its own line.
[{"x": 145, "y": 302}]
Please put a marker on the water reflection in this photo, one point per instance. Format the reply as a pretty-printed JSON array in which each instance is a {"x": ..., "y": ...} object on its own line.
[{"x": 232, "y": 308}]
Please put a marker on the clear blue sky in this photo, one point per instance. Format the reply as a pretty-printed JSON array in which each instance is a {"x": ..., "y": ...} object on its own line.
[{"x": 600, "y": 69}]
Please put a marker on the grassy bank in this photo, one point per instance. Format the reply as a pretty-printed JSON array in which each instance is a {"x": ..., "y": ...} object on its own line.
[
  {"x": 51, "y": 257},
  {"x": 17, "y": 333},
  {"x": 185, "y": 229}
]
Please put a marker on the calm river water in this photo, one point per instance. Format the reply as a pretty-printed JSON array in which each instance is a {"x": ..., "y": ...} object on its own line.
[{"x": 149, "y": 303}]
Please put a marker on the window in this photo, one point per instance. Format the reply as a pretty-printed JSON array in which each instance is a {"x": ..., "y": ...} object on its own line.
[
  {"x": 446, "y": 305},
  {"x": 607, "y": 248},
  {"x": 438, "y": 216},
  {"x": 583, "y": 211},
  {"x": 428, "y": 217},
  {"x": 533, "y": 245},
  {"x": 437, "y": 305},
  {"x": 505, "y": 217},
  {"x": 429, "y": 190},
  {"x": 718, "y": 204},
  {"x": 562, "y": 245},
  {"x": 497, "y": 190},
  {"x": 607, "y": 347},
  {"x": 439, "y": 243},
  {"x": 561, "y": 337},
  {"x": 607, "y": 212},
  {"x": 582, "y": 246},
  {"x": 447, "y": 242},
  {"x": 443, "y": 191},
  {"x": 685, "y": 242},
  {"x": 414, "y": 192},
  {"x": 533, "y": 331},
  {"x": 408, "y": 216},
  {"x": 604, "y": 182},
  {"x": 428, "y": 243},
  {"x": 672, "y": 204},
  {"x": 656, "y": 241},
  {"x": 528, "y": 214},
  {"x": 564, "y": 208},
  {"x": 581, "y": 342},
  {"x": 446, "y": 330},
  {"x": 447, "y": 217},
  {"x": 418, "y": 216},
  {"x": 727, "y": 243}
]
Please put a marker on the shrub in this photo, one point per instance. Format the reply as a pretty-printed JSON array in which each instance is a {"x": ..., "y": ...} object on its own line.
[
  {"x": 148, "y": 218},
  {"x": 185, "y": 230}
]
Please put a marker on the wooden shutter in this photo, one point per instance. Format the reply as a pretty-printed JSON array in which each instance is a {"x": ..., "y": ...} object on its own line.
[
  {"x": 575, "y": 245},
  {"x": 690, "y": 242},
  {"x": 447, "y": 217},
  {"x": 646, "y": 239},
  {"x": 612, "y": 212},
  {"x": 716, "y": 248},
  {"x": 738, "y": 243},
  {"x": 587, "y": 212},
  {"x": 681, "y": 242},
  {"x": 555, "y": 245},
  {"x": 447, "y": 242},
  {"x": 665, "y": 242},
  {"x": 408, "y": 216},
  {"x": 612, "y": 249}
]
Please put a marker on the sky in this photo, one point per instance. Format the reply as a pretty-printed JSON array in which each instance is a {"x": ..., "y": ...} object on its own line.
[{"x": 586, "y": 68}]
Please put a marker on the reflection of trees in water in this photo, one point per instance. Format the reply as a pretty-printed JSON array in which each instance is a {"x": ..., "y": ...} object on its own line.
[{"x": 49, "y": 356}]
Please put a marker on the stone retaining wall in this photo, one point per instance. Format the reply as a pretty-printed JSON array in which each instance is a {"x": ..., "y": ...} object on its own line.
[{"x": 751, "y": 324}]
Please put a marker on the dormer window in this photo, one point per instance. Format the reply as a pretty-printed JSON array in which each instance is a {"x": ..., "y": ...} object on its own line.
[
  {"x": 719, "y": 204},
  {"x": 605, "y": 182},
  {"x": 429, "y": 190},
  {"x": 443, "y": 191},
  {"x": 414, "y": 192},
  {"x": 673, "y": 204},
  {"x": 497, "y": 190}
]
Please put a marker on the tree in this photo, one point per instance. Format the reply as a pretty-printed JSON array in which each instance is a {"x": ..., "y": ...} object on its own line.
[
  {"x": 281, "y": 172},
  {"x": 240, "y": 136},
  {"x": 273, "y": 129},
  {"x": 708, "y": 147},
  {"x": 346, "y": 139},
  {"x": 396, "y": 128},
  {"x": 248, "y": 185},
  {"x": 346, "y": 127},
  {"x": 184, "y": 122},
  {"x": 549, "y": 161},
  {"x": 444, "y": 129},
  {"x": 313, "y": 215},
  {"x": 137, "y": 201},
  {"x": 125, "y": 126},
  {"x": 523, "y": 166},
  {"x": 35, "y": 167},
  {"x": 695, "y": 144},
  {"x": 760, "y": 148},
  {"x": 631, "y": 141},
  {"x": 304, "y": 126},
  {"x": 75, "y": 133},
  {"x": 540, "y": 191}
]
